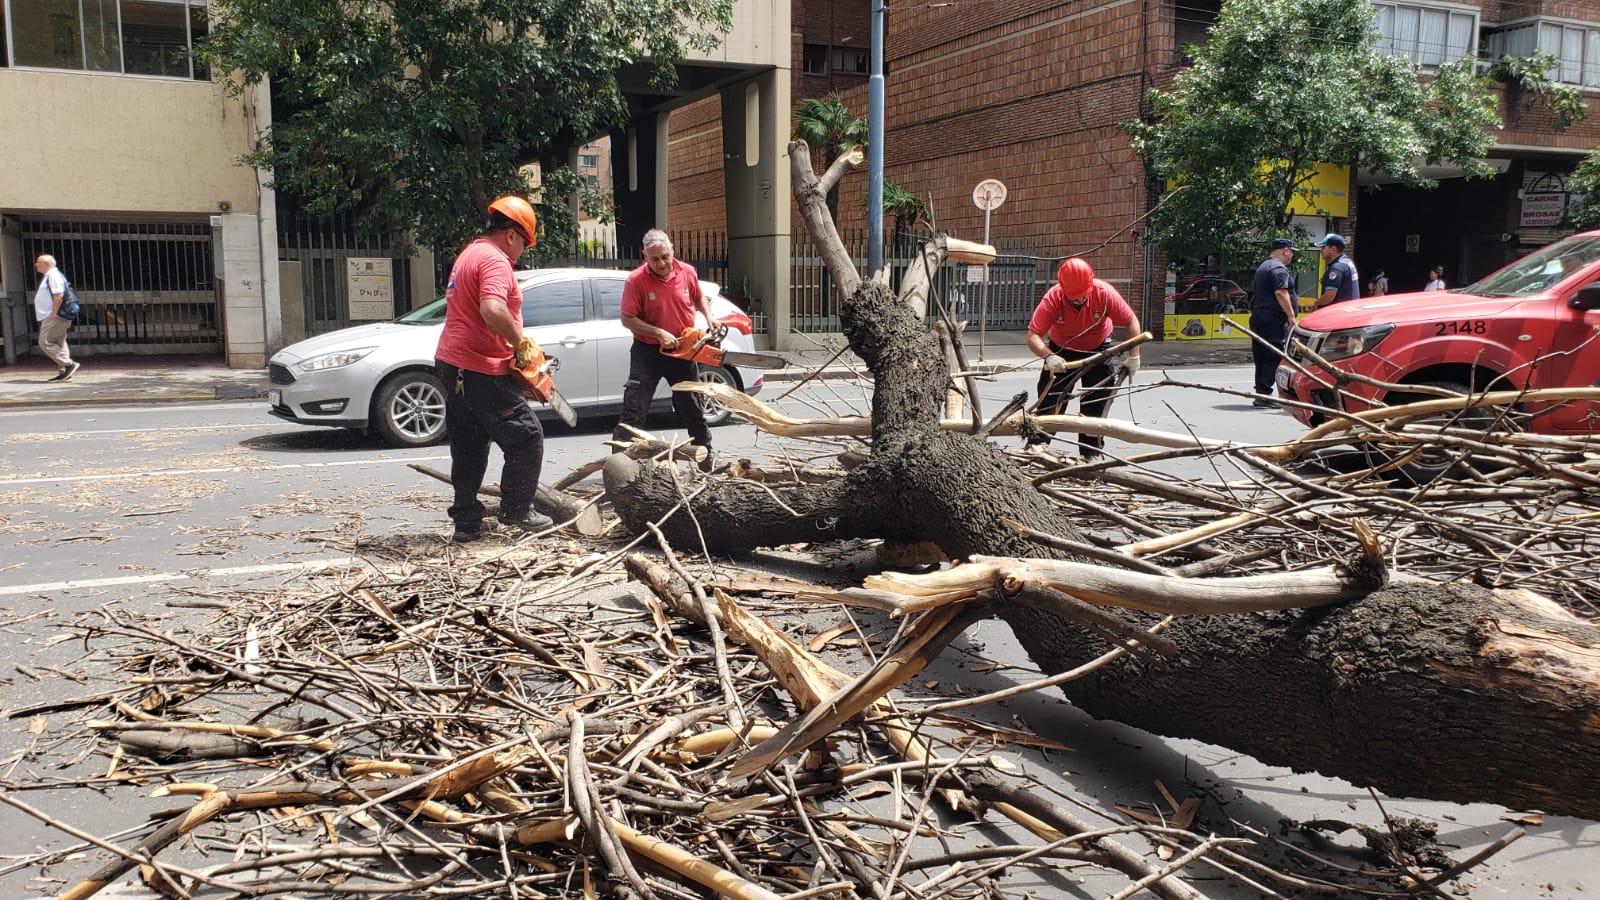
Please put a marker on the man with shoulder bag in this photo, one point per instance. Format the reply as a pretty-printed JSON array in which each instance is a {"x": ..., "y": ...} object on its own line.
[{"x": 55, "y": 305}]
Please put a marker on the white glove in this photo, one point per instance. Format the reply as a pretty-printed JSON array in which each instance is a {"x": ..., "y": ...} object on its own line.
[
  {"x": 1055, "y": 363},
  {"x": 1131, "y": 366}
]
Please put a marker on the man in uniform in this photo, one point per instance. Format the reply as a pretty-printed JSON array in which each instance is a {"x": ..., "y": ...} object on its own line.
[
  {"x": 1339, "y": 281},
  {"x": 1073, "y": 321},
  {"x": 659, "y": 301},
  {"x": 483, "y": 401},
  {"x": 1272, "y": 303}
]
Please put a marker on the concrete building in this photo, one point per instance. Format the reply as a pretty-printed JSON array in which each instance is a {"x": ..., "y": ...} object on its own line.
[{"x": 121, "y": 160}]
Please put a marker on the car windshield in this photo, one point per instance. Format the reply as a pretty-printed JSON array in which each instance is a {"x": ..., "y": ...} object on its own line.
[
  {"x": 431, "y": 314},
  {"x": 1541, "y": 270}
]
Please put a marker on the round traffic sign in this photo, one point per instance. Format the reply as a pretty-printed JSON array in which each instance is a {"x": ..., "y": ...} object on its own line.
[{"x": 989, "y": 194}]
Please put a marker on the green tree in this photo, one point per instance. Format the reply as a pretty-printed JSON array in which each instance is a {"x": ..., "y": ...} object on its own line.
[
  {"x": 830, "y": 130},
  {"x": 907, "y": 209},
  {"x": 1584, "y": 214},
  {"x": 415, "y": 113},
  {"x": 1281, "y": 87}
]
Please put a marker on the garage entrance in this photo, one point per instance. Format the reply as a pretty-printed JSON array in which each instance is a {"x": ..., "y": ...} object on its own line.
[{"x": 145, "y": 287}]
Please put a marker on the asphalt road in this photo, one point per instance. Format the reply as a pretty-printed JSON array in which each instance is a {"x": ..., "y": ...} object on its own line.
[{"x": 159, "y": 508}]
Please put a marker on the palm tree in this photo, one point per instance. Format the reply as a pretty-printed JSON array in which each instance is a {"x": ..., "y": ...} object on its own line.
[
  {"x": 829, "y": 129},
  {"x": 907, "y": 208}
]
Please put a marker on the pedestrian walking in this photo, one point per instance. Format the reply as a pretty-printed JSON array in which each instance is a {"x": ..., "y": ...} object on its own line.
[
  {"x": 1272, "y": 307},
  {"x": 659, "y": 301},
  {"x": 1435, "y": 279},
  {"x": 1380, "y": 284},
  {"x": 48, "y": 308},
  {"x": 483, "y": 401},
  {"x": 1339, "y": 281},
  {"x": 1072, "y": 322}
]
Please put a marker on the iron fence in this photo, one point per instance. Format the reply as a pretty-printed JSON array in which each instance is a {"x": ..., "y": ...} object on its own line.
[
  {"x": 322, "y": 247},
  {"x": 147, "y": 287}
]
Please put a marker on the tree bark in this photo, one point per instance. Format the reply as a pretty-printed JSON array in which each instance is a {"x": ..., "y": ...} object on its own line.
[{"x": 1420, "y": 689}]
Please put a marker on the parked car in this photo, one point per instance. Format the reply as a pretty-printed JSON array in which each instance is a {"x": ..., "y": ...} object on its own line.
[
  {"x": 379, "y": 377},
  {"x": 1209, "y": 294},
  {"x": 1532, "y": 324}
]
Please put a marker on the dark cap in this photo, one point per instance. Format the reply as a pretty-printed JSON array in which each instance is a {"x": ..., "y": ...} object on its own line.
[
  {"x": 1334, "y": 239},
  {"x": 1283, "y": 244}
]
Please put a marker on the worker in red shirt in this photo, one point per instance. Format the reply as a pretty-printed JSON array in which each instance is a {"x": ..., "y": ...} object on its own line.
[
  {"x": 1073, "y": 321},
  {"x": 659, "y": 301},
  {"x": 483, "y": 401}
]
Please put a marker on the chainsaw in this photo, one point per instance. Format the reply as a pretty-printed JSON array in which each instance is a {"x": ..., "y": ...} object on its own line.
[
  {"x": 704, "y": 347},
  {"x": 532, "y": 371}
]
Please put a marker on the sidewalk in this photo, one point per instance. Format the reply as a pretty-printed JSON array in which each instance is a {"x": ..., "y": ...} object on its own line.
[{"x": 167, "y": 379}]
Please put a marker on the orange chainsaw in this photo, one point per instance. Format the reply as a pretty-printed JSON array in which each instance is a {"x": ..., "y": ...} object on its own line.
[
  {"x": 704, "y": 347},
  {"x": 532, "y": 370}
]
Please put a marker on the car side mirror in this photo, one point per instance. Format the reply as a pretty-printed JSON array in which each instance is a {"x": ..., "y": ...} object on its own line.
[{"x": 1587, "y": 298}]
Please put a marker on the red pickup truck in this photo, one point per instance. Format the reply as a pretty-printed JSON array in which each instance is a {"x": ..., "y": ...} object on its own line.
[{"x": 1533, "y": 324}]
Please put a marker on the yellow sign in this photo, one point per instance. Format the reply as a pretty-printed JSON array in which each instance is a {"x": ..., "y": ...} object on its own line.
[
  {"x": 1200, "y": 327},
  {"x": 1330, "y": 189}
]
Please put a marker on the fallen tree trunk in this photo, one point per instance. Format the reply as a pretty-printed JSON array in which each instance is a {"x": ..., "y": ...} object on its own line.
[{"x": 1424, "y": 689}]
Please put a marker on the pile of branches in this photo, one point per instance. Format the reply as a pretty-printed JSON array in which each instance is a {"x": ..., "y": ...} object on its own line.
[{"x": 525, "y": 724}]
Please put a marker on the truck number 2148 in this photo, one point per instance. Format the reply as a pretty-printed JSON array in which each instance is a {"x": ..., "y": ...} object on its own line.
[{"x": 1465, "y": 326}]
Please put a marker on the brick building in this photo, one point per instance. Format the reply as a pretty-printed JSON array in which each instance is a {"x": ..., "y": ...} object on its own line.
[{"x": 1030, "y": 92}]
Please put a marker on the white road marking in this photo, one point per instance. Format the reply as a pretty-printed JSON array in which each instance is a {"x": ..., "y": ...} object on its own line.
[
  {"x": 218, "y": 470},
  {"x": 178, "y": 429},
  {"x": 193, "y": 574}
]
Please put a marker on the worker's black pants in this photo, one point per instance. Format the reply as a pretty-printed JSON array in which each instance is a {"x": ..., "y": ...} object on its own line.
[
  {"x": 1055, "y": 391},
  {"x": 647, "y": 365},
  {"x": 479, "y": 409},
  {"x": 1272, "y": 326}
]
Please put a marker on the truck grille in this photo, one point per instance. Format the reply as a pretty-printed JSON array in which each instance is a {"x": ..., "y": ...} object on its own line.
[
  {"x": 279, "y": 374},
  {"x": 1311, "y": 339}
]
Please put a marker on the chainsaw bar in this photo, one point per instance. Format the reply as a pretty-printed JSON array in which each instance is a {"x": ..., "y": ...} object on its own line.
[
  {"x": 563, "y": 408},
  {"x": 754, "y": 360}
]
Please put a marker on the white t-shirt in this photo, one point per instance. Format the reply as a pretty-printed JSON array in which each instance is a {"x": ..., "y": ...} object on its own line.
[
  {"x": 1435, "y": 285},
  {"x": 44, "y": 300}
]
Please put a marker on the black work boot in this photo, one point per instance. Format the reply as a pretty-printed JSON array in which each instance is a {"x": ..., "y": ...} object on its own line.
[{"x": 527, "y": 523}]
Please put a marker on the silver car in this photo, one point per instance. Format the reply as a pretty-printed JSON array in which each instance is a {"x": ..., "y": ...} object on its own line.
[{"x": 379, "y": 377}]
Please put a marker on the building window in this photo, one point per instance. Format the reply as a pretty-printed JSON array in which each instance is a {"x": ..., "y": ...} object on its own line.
[
  {"x": 588, "y": 160},
  {"x": 814, "y": 59},
  {"x": 1429, "y": 36},
  {"x": 851, "y": 60},
  {"x": 133, "y": 37},
  {"x": 592, "y": 180},
  {"x": 1575, "y": 45}
]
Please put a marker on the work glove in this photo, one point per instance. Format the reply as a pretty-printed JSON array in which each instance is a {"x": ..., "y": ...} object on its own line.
[
  {"x": 1130, "y": 365},
  {"x": 1055, "y": 363},
  {"x": 525, "y": 350}
]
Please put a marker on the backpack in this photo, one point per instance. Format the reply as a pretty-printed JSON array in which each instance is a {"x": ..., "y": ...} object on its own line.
[{"x": 69, "y": 301}]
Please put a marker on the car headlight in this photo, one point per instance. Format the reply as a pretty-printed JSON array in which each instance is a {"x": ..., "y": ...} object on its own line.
[
  {"x": 1352, "y": 341},
  {"x": 335, "y": 360}
]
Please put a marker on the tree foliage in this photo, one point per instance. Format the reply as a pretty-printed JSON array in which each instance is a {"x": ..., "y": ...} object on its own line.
[
  {"x": 830, "y": 130},
  {"x": 1280, "y": 87},
  {"x": 1529, "y": 76},
  {"x": 1584, "y": 214},
  {"x": 415, "y": 113}
]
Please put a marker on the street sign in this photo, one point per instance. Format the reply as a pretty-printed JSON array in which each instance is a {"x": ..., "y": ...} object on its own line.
[{"x": 989, "y": 194}]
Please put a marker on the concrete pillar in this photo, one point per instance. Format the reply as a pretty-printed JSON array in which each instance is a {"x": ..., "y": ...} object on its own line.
[
  {"x": 755, "y": 132},
  {"x": 639, "y": 180}
]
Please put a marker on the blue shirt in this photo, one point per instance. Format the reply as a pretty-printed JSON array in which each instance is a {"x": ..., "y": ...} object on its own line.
[
  {"x": 1271, "y": 276},
  {"x": 1341, "y": 278}
]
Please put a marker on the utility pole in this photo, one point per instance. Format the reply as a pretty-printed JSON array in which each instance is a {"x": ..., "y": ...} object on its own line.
[{"x": 875, "y": 146}]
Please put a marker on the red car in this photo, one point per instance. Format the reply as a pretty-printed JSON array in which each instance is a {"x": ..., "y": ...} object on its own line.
[
  {"x": 1212, "y": 294},
  {"x": 1532, "y": 324}
]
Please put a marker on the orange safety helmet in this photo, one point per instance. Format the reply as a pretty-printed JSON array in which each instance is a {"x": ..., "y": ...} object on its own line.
[
  {"x": 1076, "y": 277},
  {"x": 520, "y": 212}
]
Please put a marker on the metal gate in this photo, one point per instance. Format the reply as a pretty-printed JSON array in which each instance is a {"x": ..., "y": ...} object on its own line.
[
  {"x": 145, "y": 287},
  {"x": 321, "y": 247}
]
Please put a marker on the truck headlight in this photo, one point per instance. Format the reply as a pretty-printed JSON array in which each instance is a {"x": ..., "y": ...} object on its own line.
[
  {"x": 1350, "y": 342},
  {"x": 336, "y": 360}
]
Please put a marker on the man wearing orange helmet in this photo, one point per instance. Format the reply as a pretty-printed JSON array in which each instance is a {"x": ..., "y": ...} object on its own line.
[
  {"x": 1073, "y": 321},
  {"x": 483, "y": 403}
]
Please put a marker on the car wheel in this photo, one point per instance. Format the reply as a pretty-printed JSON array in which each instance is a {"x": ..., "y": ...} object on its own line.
[
  {"x": 715, "y": 412},
  {"x": 1432, "y": 465},
  {"x": 409, "y": 410}
]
